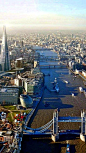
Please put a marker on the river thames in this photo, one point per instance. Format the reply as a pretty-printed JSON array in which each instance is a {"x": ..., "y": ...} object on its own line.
[{"x": 67, "y": 105}]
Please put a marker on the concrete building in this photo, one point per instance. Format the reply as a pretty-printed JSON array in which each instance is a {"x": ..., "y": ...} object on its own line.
[
  {"x": 19, "y": 63},
  {"x": 6, "y": 136},
  {"x": 4, "y": 56},
  {"x": 9, "y": 96},
  {"x": 33, "y": 86}
]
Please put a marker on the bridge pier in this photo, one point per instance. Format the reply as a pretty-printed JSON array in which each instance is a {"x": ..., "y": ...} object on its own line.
[
  {"x": 55, "y": 135},
  {"x": 83, "y": 126}
]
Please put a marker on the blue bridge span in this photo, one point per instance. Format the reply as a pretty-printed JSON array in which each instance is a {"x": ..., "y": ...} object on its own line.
[{"x": 52, "y": 128}]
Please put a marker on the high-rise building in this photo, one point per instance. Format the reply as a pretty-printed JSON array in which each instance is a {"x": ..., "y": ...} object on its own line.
[{"x": 4, "y": 57}]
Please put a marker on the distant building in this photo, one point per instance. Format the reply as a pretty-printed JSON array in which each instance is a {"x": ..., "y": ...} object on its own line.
[
  {"x": 4, "y": 56},
  {"x": 35, "y": 63}
]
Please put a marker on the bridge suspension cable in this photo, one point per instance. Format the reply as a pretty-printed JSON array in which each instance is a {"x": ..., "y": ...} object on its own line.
[{"x": 40, "y": 128}]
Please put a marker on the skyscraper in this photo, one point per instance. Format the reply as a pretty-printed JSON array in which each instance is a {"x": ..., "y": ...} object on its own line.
[{"x": 4, "y": 57}]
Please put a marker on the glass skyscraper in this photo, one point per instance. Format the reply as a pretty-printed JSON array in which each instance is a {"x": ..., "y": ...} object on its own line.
[{"x": 4, "y": 57}]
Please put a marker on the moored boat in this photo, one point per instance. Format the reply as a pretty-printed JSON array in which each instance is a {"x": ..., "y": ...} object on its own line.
[
  {"x": 65, "y": 81},
  {"x": 68, "y": 148},
  {"x": 72, "y": 94},
  {"x": 57, "y": 87},
  {"x": 80, "y": 89},
  {"x": 55, "y": 80}
]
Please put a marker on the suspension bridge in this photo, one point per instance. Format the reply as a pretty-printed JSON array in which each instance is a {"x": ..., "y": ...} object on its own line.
[{"x": 54, "y": 131}]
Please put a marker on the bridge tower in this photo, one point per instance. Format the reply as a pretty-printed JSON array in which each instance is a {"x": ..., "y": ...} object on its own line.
[
  {"x": 83, "y": 126},
  {"x": 55, "y": 135}
]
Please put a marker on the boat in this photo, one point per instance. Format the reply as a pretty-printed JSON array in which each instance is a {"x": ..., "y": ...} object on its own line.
[
  {"x": 65, "y": 81},
  {"x": 68, "y": 148},
  {"x": 46, "y": 104},
  {"x": 55, "y": 80},
  {"x": 80, "y": 89},
  {"x": 72, "y": 94},
  {"x": 57, "y": 87}
]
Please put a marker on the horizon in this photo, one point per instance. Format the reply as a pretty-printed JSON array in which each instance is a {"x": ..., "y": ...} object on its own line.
[{"x": 35, "y": 14}]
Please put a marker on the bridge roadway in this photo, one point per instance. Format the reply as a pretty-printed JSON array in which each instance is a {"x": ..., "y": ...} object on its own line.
[
  {"x": 52, "y": 66},
  {"x": 44, "y": 130},
  {"x": 48, "y": 133},
  {"x": 69, "y": 119}
]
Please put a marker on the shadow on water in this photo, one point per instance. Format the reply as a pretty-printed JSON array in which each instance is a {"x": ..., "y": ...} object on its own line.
[
  {"x": 45, "y": 145},
  {"x": 41, "y": 146},
  {"x": 54, "y": 102}
]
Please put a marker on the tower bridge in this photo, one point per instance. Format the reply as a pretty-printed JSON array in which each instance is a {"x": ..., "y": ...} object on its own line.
[{"x": 55, "y": 132}]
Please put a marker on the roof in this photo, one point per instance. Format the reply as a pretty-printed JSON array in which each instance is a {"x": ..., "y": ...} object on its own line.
[{"x": 9, "y": 133}]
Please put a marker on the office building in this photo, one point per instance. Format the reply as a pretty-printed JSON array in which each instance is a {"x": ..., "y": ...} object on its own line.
[{"x": 9, "y": 96}]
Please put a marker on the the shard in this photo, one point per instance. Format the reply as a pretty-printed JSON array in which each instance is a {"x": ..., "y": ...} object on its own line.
[{"x": 4, "y": 61}]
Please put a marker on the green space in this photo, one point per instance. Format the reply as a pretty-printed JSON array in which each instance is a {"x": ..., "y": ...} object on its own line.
[
  {"x": 10, "y": 107},
  {"x": 21, "y": 111},
  {"x": 9, "y": 117},
  {"x": 12, "y": 111}
]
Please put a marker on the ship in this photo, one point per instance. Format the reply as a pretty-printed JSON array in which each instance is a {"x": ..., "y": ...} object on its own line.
[
  {"x": 65, "y": 81},
  {"x": 68, "y": 148},
  {"x": 72, "y": 94},
  {"x": 55, "y": 80},
  {"x": 57, "y": 87},
  {"x": 80, "y": 89}
]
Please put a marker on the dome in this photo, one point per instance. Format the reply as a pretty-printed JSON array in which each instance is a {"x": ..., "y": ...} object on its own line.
[{"x": 26, "y": 101}]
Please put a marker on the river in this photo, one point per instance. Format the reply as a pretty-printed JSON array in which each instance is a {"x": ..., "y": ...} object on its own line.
[{"x": 67, "y": 105}]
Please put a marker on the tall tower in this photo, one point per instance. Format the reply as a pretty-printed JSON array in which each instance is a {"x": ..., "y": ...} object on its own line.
[{"x": 5, "y": 61}]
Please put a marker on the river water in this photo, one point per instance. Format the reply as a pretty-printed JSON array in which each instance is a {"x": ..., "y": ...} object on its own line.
[{"x": 67, "y": 105}]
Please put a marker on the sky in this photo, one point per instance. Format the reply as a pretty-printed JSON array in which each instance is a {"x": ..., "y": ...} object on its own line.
[{"x": 59, "y": 14}]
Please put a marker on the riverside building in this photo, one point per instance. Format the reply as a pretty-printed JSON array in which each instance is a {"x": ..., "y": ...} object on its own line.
[{"x": 9, "y": 96}]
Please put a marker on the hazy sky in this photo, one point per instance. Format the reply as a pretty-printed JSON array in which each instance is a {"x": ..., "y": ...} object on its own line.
[{"x": 60, "y": 14}]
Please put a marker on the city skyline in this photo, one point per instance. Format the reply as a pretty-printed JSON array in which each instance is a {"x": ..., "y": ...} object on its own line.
[{"x": 57, "y": 14}]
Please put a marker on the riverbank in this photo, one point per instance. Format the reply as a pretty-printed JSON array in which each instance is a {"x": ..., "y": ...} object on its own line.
[{"x": 35, "y": 104}]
